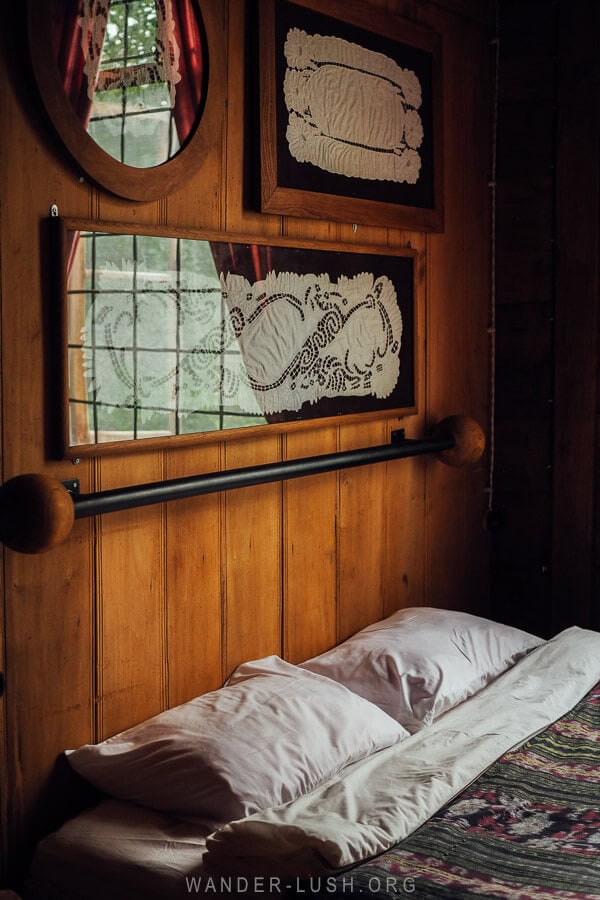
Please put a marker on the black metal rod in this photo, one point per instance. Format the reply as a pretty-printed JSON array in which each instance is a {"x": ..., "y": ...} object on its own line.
[{"x": 194, "y": 485}]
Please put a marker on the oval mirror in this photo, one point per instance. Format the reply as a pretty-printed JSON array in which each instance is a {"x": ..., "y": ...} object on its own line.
[{"x": 125, "y": 84}]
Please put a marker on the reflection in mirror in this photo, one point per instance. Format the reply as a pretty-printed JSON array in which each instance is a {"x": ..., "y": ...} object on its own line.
[
  {"x": 181, "y": 335},
  {"x": 133, "y": 72},
  {"x": 152, "y": 351}
]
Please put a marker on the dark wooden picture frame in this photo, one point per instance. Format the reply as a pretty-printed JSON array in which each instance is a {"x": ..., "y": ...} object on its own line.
[
  {"x": 294, "y": 185},
  {"x": 232, "y": 331}
]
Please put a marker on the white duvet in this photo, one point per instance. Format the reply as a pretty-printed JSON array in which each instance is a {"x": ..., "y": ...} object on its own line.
[
  {"x": 378, "y": 801},
  {"x": 361, "y": 812}
]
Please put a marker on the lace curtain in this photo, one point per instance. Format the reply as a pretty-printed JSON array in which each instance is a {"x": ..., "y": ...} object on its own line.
[{"x": 79, "y": 32}]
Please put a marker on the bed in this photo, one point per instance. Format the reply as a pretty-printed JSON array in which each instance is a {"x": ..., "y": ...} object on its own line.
[{"x": 435, "y": 754}]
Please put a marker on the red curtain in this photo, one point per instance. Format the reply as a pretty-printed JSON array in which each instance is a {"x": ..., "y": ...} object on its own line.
[
  {"x": 66, "y": 41},
  {"x": 188, "y": 92},
  {"x": 242, "y": 259},
  {"x": 69, "y": 55}
]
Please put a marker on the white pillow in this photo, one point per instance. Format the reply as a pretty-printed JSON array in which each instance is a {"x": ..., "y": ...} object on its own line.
[
  {"x": 274, "y": 733},
  {"x": 420, "y": 661}
]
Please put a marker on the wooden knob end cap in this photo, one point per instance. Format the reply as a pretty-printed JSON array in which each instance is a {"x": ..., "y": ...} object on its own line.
[
  {"x": 36, "y": 513},
  {"x": 469, "y": 441}
]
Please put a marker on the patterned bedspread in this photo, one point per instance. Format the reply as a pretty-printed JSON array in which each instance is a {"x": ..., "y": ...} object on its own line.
[{"x": 527, "y": 829}]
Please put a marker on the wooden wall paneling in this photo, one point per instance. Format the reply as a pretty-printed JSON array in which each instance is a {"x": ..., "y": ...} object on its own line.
[
  {"x": 529, "y": 469},
  {"x": 47, "y": 599},
  {"x": 308, "y": 229},
  {"x": 194, "y": 537},
  {"x": 529, "y": 77},
  {"x": 404, "y": 557},
  {"x": 4, "y": 787},
  {"x": 49, "y": 685},
  {"x": 521, "y": 545},
  {"x": 525, "y": 216},
  {"x": 25, "y": 124},
  {"x": 201, "y": 202},
  {"x": 3, "y": 733},
  {"x": 595, "y": 611},
  {"x": 457, "y": 320},
  {"x": 524, "y": 266},
  {"x": 528, "y": 28},
  {"x": 107, "y": 208},
  {"x": 131, "y": 640},
  {"x": 522, "y": 581},
  {"x": 361, "y": 532},
  {"x": 447, "y": 316},
  {"x": 310, "y": 549},
  {"x": 477, "y": 542},
  {"x": 4, "y": 800},
  {"x": 480, "y": 11},
  {"x": 252, "y": 563},
  {"x": 194, "y": 528},
  {"x": 523, "y": 274},
  {"x": 524, "y": 344},
  {"x": 252, "y": 557},
  {"x": 525, "y": 261},
  {"x": 535, "y": 154},
  {"x": 126, "y": 594},
  {"x": 404, "y": 561},
  {"x": 447, "y": 573},
  {"x": 350, "y": 233},
  {"x": 242, "y": 170},
  {"x": 310, "y": 517},
  {"x": 330, "y": 614},
  {"x": 477, "y": 155},
  {"x": 577, "y": 317},
  {"x": 49, "y": 606}
]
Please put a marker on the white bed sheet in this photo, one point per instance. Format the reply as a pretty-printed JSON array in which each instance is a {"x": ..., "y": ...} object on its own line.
[{"x": 119, "y": 851}]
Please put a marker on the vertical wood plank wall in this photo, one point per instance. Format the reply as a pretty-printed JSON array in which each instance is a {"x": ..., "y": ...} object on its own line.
[
  {"x": 525, "y": 261},
  {"x": 575, "y": 565},
  {"x": 545, "y": 570},
  {"x": 143, "y": 609}
]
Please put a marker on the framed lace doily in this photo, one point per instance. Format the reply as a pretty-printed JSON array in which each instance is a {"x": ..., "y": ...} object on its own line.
[{"x": 350, "y": 115}]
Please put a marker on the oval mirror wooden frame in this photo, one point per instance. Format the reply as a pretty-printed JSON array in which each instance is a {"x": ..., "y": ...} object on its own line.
[{"x": 104, "y": 170}]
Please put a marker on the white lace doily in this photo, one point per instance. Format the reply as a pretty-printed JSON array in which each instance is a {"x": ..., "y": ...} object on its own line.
[
  {"x": 190, "y": 342},
  {"x": 352, "y": 111}
]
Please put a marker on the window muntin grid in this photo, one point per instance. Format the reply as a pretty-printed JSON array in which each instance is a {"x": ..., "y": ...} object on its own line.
[
  {"x": 131, "y": 115},
  {"x": 145, "y": 281}
]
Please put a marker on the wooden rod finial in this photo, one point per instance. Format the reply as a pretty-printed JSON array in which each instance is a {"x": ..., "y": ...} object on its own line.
[
  {"x": 469, "y": 441},
  {"x": 36, "y": 513}
]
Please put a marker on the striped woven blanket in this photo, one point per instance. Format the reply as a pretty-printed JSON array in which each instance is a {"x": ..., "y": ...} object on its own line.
[{"x": 527, "y": 829}]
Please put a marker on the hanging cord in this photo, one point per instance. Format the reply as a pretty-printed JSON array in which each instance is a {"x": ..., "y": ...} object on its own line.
[{"x": 492, "y": 319}]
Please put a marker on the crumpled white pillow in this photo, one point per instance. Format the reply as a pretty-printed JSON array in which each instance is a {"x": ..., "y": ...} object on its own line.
[
  {"x": 420, "y": 662},
  {"x": 273, "y": 733}
]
